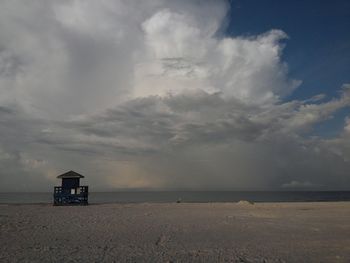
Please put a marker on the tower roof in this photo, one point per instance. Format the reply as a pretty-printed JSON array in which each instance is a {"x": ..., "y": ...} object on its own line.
[{"x": 70, "y": 174}]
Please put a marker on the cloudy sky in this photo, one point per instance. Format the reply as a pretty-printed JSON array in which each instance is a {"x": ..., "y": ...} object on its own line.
[{"x": 175, "y": 94}]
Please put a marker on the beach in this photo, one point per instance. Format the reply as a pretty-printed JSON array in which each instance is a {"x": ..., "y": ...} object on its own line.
[{"x": 176, "y": 232}]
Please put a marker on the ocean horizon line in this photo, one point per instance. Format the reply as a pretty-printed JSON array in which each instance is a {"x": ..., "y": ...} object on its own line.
[{"x": 131, "y": 190}]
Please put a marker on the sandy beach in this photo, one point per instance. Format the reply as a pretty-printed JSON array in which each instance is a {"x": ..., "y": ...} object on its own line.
[{"x": 170, "y": 232}]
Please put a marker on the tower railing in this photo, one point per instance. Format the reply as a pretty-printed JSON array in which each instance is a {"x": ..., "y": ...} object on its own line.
[{"x": 71, "y": 196}]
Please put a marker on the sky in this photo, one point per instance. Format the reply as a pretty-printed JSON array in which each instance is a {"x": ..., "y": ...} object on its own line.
[{"x": 195, "y": 95}]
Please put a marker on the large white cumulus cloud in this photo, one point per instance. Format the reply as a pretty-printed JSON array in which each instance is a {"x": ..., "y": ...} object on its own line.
[
  {"x": 153, "y": 94},
  {"x": 181, "y": 55}
]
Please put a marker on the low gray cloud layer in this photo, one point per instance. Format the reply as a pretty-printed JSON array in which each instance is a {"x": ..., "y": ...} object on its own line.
[{"x": 155, "y": 98}]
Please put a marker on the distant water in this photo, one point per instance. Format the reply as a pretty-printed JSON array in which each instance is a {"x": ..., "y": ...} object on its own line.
[{"x": 186, "y": 196}]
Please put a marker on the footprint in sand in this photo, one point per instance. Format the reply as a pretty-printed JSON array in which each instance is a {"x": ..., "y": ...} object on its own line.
[{"x": 162, "y": 240}]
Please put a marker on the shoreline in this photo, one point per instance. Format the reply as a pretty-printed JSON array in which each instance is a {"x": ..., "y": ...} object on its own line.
[
  {"x": 184, "y": 197},
  {"x": 178, "y": 203}
]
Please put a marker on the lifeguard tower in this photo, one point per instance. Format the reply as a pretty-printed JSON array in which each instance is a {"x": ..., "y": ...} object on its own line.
[{"x": 70, "y": 192}]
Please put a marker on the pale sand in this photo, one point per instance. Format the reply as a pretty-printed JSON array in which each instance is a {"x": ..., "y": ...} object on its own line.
[{"x": 211, "y": 232}]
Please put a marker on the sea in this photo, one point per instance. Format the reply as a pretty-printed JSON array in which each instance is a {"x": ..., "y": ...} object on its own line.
[{"x": 185, "y": 196}]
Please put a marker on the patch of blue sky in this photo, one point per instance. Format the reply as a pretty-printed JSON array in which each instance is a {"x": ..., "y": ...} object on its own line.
[{"x": 317, "y": 51}]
